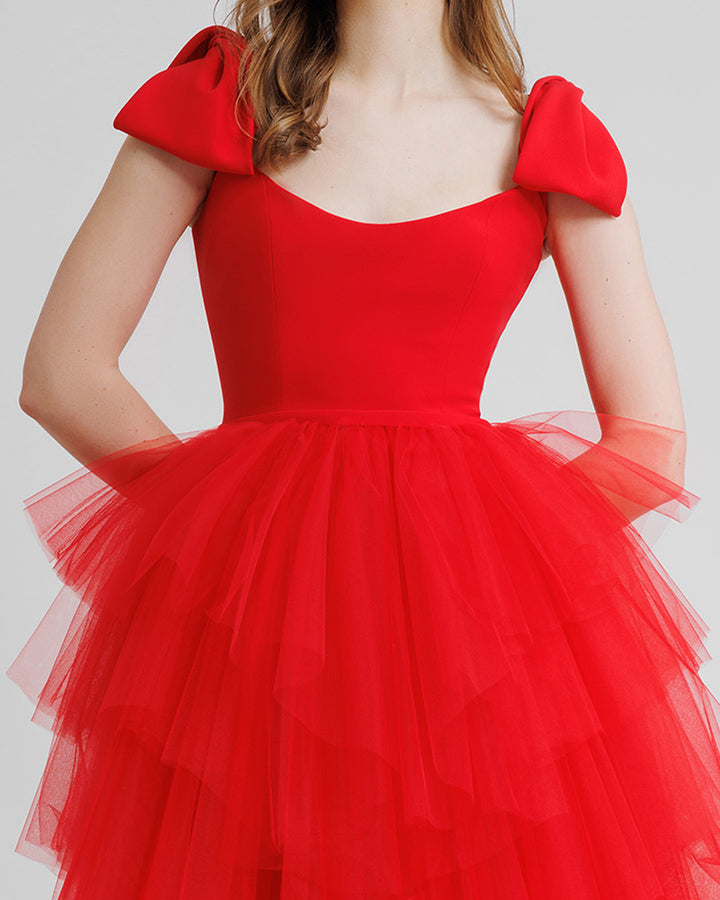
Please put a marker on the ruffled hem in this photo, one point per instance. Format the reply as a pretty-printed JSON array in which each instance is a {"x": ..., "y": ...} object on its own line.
[{"x": 296, "y": 659}]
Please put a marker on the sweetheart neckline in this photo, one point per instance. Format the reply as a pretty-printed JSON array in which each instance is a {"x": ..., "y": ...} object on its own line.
[
  {"x": 467, "y": 207},
  {"x": 434, "y": 217}
]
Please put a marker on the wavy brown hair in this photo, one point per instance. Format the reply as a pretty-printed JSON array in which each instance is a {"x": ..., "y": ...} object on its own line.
[{"x": 287, "y": 51}]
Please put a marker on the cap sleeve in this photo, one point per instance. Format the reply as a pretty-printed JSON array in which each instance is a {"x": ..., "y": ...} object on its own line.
[
  {"x": 565, "y": 147},
  {"x": 188, "y": 109}
]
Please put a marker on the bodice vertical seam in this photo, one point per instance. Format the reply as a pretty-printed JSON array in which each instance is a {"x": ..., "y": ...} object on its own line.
[
  {"x": 468, "y": 295},
  {"x": 273, "y": 290}
]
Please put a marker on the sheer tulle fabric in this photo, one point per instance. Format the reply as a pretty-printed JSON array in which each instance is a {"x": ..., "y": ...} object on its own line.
[{"x": 295, "y": 658}]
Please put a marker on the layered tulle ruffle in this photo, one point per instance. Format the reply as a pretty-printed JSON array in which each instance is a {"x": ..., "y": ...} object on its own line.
[{"x": 301, "y": 659}]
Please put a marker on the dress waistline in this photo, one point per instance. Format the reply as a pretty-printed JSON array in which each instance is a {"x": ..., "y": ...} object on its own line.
[{"x": 365, "y": 416}]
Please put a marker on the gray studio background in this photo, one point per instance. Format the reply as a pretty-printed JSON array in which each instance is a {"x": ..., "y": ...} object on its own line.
[{"x": 647, "y": 71}]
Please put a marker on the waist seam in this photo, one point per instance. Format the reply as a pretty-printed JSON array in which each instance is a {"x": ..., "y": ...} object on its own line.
[{"x": 363, "y": 416}]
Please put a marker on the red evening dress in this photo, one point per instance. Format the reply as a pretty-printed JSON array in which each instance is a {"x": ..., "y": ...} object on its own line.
[{"x": 357, "y": 642}]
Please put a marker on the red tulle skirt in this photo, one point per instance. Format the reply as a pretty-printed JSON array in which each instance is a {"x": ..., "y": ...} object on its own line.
[{"x": 296, "y": 658}]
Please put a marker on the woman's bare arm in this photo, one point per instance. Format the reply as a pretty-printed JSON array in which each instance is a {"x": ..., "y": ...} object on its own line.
[
  {"x": 624, "y": 346},
  {"x": 72, "y": 385}
]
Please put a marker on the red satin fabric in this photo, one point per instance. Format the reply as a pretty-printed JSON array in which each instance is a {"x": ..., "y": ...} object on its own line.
[{"x": 357, "y": 642}]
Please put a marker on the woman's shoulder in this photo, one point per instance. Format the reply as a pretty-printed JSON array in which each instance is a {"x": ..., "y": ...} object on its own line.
[
  {"x": 566, "y": 147},
  {"x": 190, "y": 108}
]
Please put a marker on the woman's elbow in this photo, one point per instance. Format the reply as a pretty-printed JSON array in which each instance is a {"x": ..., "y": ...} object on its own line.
[
  {"x": 52, "y": 385},
  {"x": 28, "y": 402},
  {"x": 38, "y": 388}
]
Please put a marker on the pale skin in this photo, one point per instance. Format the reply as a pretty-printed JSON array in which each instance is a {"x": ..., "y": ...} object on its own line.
[{"x": 398, "y": 79}]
